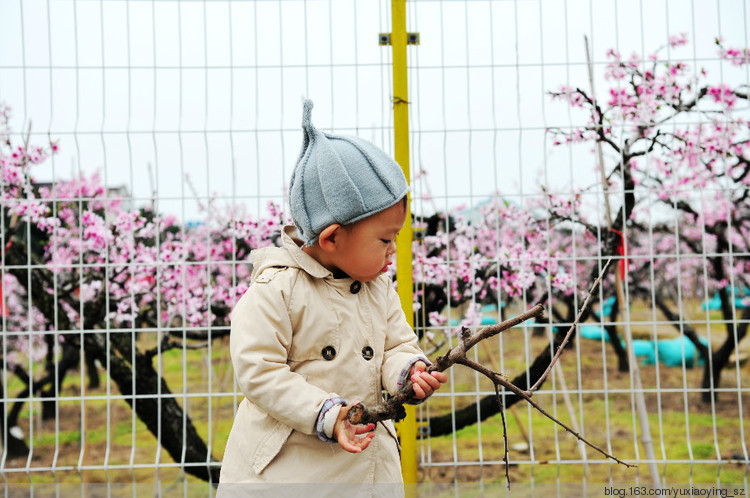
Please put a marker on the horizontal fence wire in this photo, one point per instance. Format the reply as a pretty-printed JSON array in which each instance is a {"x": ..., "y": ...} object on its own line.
[{"x": 161, "y": 136}]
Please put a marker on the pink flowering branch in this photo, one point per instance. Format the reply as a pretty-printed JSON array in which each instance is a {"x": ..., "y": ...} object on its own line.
[{"x": 678, "y": 134}]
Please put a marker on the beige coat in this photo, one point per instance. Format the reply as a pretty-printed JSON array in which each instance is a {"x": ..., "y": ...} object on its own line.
[{"x": 295, "y": 313}]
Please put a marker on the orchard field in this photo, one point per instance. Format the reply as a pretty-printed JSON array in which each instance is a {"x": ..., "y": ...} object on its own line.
[
  {"x": 683, "y": 426},
  {"x": 116, "y": 315}
]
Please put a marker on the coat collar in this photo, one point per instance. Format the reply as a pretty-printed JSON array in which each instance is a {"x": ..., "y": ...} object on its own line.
[{"x": 290, "y": 240}]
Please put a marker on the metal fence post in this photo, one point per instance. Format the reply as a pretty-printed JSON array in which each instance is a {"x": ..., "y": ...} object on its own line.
[{"x": 407, "y": 428}]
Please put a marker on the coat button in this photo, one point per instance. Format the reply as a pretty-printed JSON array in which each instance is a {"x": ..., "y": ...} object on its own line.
[
  {"x": 355, "y": 287},
  {"x": 328, "y": 353},
  {"x": 367, "y": 353}
]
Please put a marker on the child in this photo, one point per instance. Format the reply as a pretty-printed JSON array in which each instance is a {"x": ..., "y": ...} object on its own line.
[{"x": 321, "y": 327}]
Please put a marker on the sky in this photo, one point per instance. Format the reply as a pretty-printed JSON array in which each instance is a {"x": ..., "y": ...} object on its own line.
[{"x": 186, "y": 101}]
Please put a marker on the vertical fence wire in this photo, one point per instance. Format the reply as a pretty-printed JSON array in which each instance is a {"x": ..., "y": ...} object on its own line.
[
  {"x": 156, "y": 206},
  {"x": 653, "y": 286}
]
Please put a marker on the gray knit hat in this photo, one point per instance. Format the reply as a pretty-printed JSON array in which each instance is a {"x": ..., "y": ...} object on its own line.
[{"x": 339, "y": 179}]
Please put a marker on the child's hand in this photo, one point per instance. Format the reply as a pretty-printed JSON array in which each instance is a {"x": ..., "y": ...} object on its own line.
[
  {"x": 348, "y": 435},
  {"x": 425, "y": 383}
]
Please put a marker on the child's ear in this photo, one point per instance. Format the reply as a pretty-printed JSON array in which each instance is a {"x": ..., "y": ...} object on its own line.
[{"x": 327, "y": 238}]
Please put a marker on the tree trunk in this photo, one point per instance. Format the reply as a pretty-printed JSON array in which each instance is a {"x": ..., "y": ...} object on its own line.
[
  {"x": 720, "y": 357},
  {"x": 69, "y": 360},
  {"x": 92, "y": 371},
  {"x": 163, "y": 416},
  {"x": 14, "y": 447},
  {"x": 623, "y": 364}
]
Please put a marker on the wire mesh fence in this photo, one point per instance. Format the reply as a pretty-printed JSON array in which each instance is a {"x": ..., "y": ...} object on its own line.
[{"x": 147, "y": 146}]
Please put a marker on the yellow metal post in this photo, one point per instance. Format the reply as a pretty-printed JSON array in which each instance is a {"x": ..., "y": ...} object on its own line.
[{"x": 407, "y": 428}]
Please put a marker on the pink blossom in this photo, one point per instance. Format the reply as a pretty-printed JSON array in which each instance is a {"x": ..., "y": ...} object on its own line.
[
  {"x": 738, "y": 57},
  {"x": 723, "y": 94},
  {"x": 678, "y": 40}
]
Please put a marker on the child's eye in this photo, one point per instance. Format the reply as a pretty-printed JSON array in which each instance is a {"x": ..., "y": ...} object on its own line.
[{"x": 385, "y": 241}]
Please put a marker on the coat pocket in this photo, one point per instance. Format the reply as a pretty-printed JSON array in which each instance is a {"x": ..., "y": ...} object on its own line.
[{"x": 273, "y": 439}]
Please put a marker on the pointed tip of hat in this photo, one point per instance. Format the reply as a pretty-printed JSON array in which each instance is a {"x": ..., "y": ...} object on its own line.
[{"x": 307, "y": 125}]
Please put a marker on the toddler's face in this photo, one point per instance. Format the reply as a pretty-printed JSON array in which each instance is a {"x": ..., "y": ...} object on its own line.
[{"x": 366, "y": 248}]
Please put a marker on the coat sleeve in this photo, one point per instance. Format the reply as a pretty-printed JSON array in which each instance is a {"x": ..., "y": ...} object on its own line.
[
  {"x": 401, "y": 346},
  {"x": 259, "y": 343}
]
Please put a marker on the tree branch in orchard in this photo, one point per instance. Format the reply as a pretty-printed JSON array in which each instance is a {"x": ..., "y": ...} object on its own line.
[{"x": 393, "y": 407}]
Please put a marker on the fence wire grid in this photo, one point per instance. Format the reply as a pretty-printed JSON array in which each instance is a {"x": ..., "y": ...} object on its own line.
[{"x": 161, "y": 136}]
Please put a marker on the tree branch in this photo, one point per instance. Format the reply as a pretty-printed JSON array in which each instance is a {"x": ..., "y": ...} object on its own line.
[
  {"x": 393, "y": 407},
  {"x": 572, "y": 329},
  {"x": 167, "y": 344}
]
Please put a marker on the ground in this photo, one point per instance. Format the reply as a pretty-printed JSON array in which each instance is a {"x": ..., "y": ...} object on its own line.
[{"x": 114, "y": 446}]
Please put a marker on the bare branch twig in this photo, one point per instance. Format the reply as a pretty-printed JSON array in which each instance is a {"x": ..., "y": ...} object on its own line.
[
  {"x": 571, "y": 330},
  {"x": 393, "y": 407},
  {"x": 390, "y": 409}
]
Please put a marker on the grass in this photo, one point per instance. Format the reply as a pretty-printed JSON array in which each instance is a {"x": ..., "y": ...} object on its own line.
[
  {"x": 683, "y": 428},
  {"x": 689, "y": 436}
]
